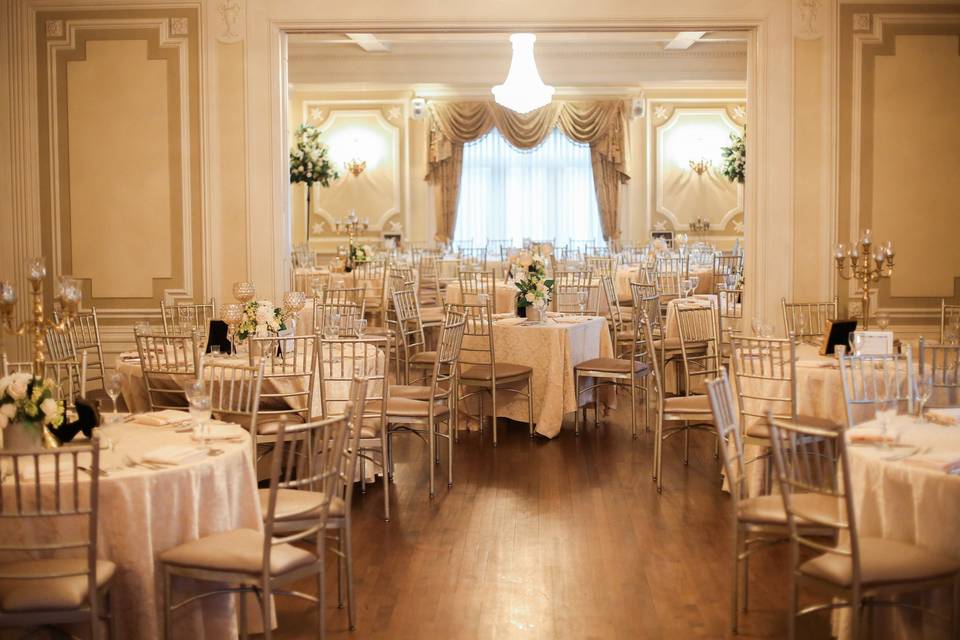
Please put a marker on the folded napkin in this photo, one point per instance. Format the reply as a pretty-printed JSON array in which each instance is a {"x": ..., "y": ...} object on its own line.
[
  {"x": 174, "y": 454},
  {"x": 221, "y": 431},
  {"x": 946, "y": 461},
  {"x": 874, "y": 435},
  {"x": 943, "y": 417},
  {"x": 510, "y": 322},
  {"x": 571, "y": 319},
  {"x": 47, "y": 466},
  {"x": 162, "y": 418}
]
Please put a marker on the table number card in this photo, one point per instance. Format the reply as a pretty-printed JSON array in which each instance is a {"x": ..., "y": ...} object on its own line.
[{"x": 873, "y": 343}]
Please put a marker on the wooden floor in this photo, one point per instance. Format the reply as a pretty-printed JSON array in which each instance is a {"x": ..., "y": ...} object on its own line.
[{"x": 564, "y": 538}]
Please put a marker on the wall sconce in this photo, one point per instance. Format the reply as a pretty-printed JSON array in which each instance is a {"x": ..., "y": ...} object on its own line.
[
  {"x": 356, "y": 166},
  {"x": 700, "y": 225},
  {"x": 700, "y": 166}
]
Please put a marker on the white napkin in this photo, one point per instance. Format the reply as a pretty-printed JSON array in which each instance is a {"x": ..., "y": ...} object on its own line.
[
  {"x": 946, "y": 461},
  {"x": 47, "y": 466},
  {"x": 863, "y": 435},
  {"x": 510, "y": 322},
  {"x": 162, "y": 418},
  {"x": 174, "y": 454},
  {"x": 221, "y": 431}
]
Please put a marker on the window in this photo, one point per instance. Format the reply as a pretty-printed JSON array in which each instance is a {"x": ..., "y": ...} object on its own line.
[{"x": 545, "y": 193}]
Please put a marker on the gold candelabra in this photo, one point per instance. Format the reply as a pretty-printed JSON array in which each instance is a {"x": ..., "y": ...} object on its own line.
[
  {"x": 69, "y": 296},
  {"x": 700, "y": 166},
  {"x": 351, "y": 225},
  {"x": 867, "y": 264}
]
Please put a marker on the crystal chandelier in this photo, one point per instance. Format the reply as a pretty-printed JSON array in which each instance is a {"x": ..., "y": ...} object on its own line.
[{"x": 523, "y": 90}]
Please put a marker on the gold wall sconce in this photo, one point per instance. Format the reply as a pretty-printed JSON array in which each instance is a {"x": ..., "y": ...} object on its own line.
[
  {"x": 356, "y": 166},
  {"x": 700, "y": 166}
]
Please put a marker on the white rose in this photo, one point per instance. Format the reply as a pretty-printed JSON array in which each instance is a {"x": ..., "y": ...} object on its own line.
[
  {"x": 17, "y": 390},
  {"x": 49, "y": 407},
  {"x": 9, "y": 411}
]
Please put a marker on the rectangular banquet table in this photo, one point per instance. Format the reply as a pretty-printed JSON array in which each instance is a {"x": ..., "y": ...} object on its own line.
[
  {"x": 144, "y": 512},
  {"x": 551, "y": 349}
]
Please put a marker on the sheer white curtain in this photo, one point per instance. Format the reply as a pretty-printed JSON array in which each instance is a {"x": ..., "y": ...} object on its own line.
[{"x": 546, "y": 193}]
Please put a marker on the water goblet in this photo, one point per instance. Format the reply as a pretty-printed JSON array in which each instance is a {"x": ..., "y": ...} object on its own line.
[
  {"x": 694, "y": 283},
  {"x": 886, "y": 412},
  {"x": 214, "y": 350},
  {"x": 582, "y": 296},
  {"x": 331, "y": 328},
  {"x": 200, "y": 411},
  {"x": 360, "y": 327},
  {"x": 113, "y": 384},
  {"x": 756, "y": 324},
  {"x": 924, "y": 391}
]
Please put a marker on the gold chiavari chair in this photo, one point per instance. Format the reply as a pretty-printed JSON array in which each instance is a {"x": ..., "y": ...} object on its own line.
[
  {"x": 949, "y": 322},
  {"x": 855, "y": 571},
  {"x": 476, "y": 283},
  {"x": 602, "y": 265},
  {"x": 185, "y": 316},
  {"x": 870, "y": 380},
  {"x": 372, "y": 274},
  {"x": 348, "y": 305},
  {"x": 58, "y": 490},
  {"x": 425, "y": 416},
  {"x": 621, "y": 326},
  {"x": 573, "y": 278},
  {"x": 668, "y": 286},
  {"x": 474, "y": 258},
  {"x": 413, "y": 342},
  {"x": 308, "y": 457},
  {"x": 67, "y": 366},
  {"x": 429, "y": 283},
  {"x": 678, "y": 265},
  {"x": 234, "y": 390},
  {"x": 807, "y": 320},
  {"x": 568, "y": 298},
  {"x": 84, "y": 332},
  {"x": 729, "y": 317},
  {"x": 940, "y": 363},
  {"x": 631, "y": 372},
  {"x": 341, "y": 360},
  {"x": 725, "y": 265},
  {"x": 482, "y": 373},
  {"x": 65, "y": 374},
  {"x": 167, "y": 361}
]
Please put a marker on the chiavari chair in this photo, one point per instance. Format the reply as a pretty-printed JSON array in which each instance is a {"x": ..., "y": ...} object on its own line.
[
  {"x": 413, "y": 342},
  {"x": 806, "y": 320},
  {"x": 729, "y": 317},
  {"x": 65, "y": 374},
  {"x": 347, "y": 304},
  {"x": 476, "y": 283},
  {"x": 481, "y": 373},
  {"x": 631, "y": 372},
  {"x": 66, "y": 365},
  {"x": 941, "y": 362},
  {"x": 678, "y": 265},
  {"x": 307, "y": 457},
  {"x": 869, "y": 380},
  {"x": 949, "y": 322},
  {"x": 84, "y": 332},
  {"x": 567, "y": 298},
  {"x": 167, "y": 360},
  {"x": 45, "y": 487},
  {"x": 448, "y": 270},
  {"x": 342, "y": 359},
  {"x": 602, "y": 265},
  {"x": 622, "y": 330},
  {"x": 855, "y": 571},
  {"x": 184, "y": 316},
  {"x": 725, "y": 265},
  {"x": 372, "y": 274},
  {"x": 424, "y": 417},
  {"x": 474, "y": 258},
  {"x": 429, "y": 282},
  {"x": 234, "y": 391},
  {"x": 573, "y": 278},
  {"x": 668, "y": 286}
]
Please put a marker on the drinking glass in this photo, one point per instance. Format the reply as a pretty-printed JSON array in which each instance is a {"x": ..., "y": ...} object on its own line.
[
  {"x": 360, "y": 327},
  {"x": 886, "y": 412},
  {"x": 924, "y": 391},
  {"x": 214, "y": 351},
  {"x": 582, "y": 296},
  {"x": 800, "y": 326},
  {"x": 331, "y": 328},
  {"x": 685, "y": 288},
  {"x": 766, "y": 330},
  {"x": 200, "y": 411},
  {"x": 694, "y": 283},
  {"x": 112, "y": 384}
]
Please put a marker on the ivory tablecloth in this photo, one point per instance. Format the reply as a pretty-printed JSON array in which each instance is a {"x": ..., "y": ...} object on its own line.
[
  {"x": 908, "y": 502},
  {"x": 551, "y": 350},
  {"x": 145, "y": 512},
  {"x": 631, "y": 273}
]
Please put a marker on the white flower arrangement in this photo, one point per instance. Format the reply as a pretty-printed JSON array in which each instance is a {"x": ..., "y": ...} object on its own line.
[
  {"x": 29, "y": 400},
  {"x": 309, "y": 161},
  {"x": 530, "y": 276},
  {"x": 261, "y": 318},
  {"x": 735, "y": 158},
  {"x": 359, "y": 253}
]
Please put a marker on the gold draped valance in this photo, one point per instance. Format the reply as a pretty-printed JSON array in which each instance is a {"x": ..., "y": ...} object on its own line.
[{"x": 601, "y": 124}]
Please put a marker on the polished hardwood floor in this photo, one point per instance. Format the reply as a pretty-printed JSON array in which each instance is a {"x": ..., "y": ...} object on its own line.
[{"x": 564, "y": 538}]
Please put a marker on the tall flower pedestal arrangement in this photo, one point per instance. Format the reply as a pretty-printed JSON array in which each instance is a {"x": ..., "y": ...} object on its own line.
[{"x": 309, "y": 164}]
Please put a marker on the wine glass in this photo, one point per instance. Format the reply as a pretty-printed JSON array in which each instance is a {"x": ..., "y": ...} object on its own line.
[
  {"x": 331, "y": 328},
  {"x": 800, "y": 326},
  {"x": 694, "y": 283},
  {"x": 924, "y": 391},
  {"x": 684, "y": 288},
  {"x": 113, "y": 384},
  {"x": 244, "y": 291},
  {"x": 582, "y": 295},
  {"x": 360, "y": 327},
  {"x": 886, "y": 412},
  {"x": 200, "y": 411}
]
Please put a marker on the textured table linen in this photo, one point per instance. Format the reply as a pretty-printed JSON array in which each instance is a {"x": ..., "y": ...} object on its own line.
[
  {"x": 144, "y": 512},
  {"x": 505, "y": 296},
  {"x": 907, "y": 501},
  {"x": 631, "y": 273},
  {"x": 551, "y": 350}
]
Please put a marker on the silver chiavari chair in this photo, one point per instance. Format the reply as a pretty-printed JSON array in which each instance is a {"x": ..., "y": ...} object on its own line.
[
  {"x": 807, "y": 320},
  {"x": 307, "y": 458},
  {"x": 413, "y": 341},
  {"x": 869, "y": 380},
  {"x": 64, "y": 374},
  {"x": 475, "y": 258},
  {"x": 168, "y": 360},
  {"x": 476, "y": 283},
  {"x": 372, "y": 274},
  {"x": 67, "y": 366},
  {"x": 573, "y": 278},
  {"x": 84, "y": 332},
  {"x": 941, "y": 364},
  {"x": 949, "y": 322},
  {"x": 342, "y": 359},
  {"x": 729, "y": 317},
  {"x": 234, "y": 390},
  {"x": 678, "y": 265},
  {"x": 40, "y": 585},
  {"x": 621, "y": 327},
  {"x": 425, "y": 416},
  {"x": 429, "y": 284},
  {"x": 668, "y": 286},
  {"x": 482, "y": 373},
  {"x": 603, "y": 265},
  {"x": 854, "y": 571},
  {"x": 725, "y": 265},
  {"x": 346, "y": 306}
]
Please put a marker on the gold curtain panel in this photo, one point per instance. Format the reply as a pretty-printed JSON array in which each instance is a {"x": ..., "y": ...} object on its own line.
[{"x": 601, "y": 124}]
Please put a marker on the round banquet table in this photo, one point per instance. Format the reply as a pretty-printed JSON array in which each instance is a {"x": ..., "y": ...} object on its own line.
[
  {"x": 505, "y": 296},
  {"x": 915, "y": 500},
  {"x": 551, "y": 349},
  {"x": 144, "y": 512}
]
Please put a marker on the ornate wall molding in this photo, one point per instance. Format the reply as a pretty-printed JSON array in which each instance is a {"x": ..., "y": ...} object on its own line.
[
  {"x": 807, "y": 19},
  {"x": 231, "y": 20}
]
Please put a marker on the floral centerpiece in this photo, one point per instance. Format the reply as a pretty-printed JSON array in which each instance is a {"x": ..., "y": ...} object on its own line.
[
  {"x": 534, "y": 288},
  {"x": 735, "y": 158},
  {"x": 309, "y": 163},
  {"x": 357, "y": 253},
  {"x": 29, "y": 402},
  {"x": 260, "y": 318}
]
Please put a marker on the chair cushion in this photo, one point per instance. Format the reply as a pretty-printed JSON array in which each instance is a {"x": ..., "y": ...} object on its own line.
[
  {"x": 882, "y": 561},
  {"x": 687, "y": 404},
  {"x": 407, "y": 408},
  {"x": 49, "y": 594},
  {"x": 482, "y": 372},
  {"x": 769, "y": 509},
  {"x": 625, "y": 335},
  {"x": 266, "y": 424},
  {"x": 298, "y": 503},
  {"x": 424, "y": 357},
  {"x": 430, "y": 315},
  {"x": 412, "y": 391},
  {"x": 612, "y": 365},
  {"x": 239, "y": 551},
  {"x": 760, "y": 428}
]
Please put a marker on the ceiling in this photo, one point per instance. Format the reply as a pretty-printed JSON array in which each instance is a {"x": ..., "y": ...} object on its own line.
[{"x": 568, "y": 60}]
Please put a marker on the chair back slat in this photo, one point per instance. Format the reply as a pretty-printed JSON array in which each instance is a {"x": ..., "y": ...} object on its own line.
[
  {"x": 942, "y": 363},
  {"x": 289, "y": 374},
  {"x": 724, "y": 408},
  {"x": 869, "y": 380},
  {"x": 765, "y": 372},
  {"x": 807, "y": 320},
  {"x": 168, "y": 360}
]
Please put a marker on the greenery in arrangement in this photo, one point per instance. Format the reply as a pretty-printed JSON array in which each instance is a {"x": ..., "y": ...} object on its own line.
[
  {"x": 735, "y": 158},
  {"x": 530, "y": 276},
  {"x": 359, "y": 253},
  {"x": 29, "y": 400},
  {"x": 261, "y": 318},
  {"x": 310, "y": 162}
]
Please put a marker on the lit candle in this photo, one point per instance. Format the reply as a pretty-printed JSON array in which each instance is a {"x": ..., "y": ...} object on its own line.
[
  {"x": 840, "y": 252},
  {"x": 889, "y": 249},
  {"x": 867, "y": 239},
  {"x": 854, "y": 252},
  {"x": 36, "y": 269}
]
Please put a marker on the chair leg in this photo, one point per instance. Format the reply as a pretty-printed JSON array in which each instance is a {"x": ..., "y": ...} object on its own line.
[
  {"x": 956, "y": 606},
  {"x": 341, "y": 569},
  {"x": 450, "y": 427},
  {"x": 112, "y": 620},
  {"x": 686, "y": 443},
  {"x": 576, "y": 414},
  {"x": 319, "y": 580},
  {"x": 633, "y": 409},
  {"x": 493, "y": 413},
  {"x": 433, "y": 447},
  {"x": 386, "y": 480},
  {"x": 735, "y": 586},
  {"x": 168, "y": 603},
  {"x": 746, "y": 582},
  {"x": 346, "y": 547},
  {"x": 530, "y": 403}
]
